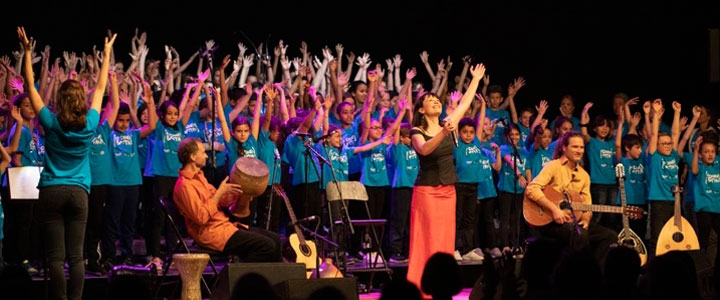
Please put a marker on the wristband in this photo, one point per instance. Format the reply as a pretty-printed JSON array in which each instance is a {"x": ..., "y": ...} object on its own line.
[{"x": 583, "y": 125}]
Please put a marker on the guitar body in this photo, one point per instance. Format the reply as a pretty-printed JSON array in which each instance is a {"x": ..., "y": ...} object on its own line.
[
  {"x": 672, "y": 237},
  {"x": 629, "y": 238},
  {"x": 305, "y": 253},
  {"x": 537, "y": 215}
]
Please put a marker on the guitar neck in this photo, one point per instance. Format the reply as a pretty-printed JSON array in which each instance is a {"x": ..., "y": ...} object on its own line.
[
  {"x": 291, "y": 214},
  {"x": 623, "y": 202},
  {"x": 677, "y": 214},
  {"x": 598, "y": 208}
]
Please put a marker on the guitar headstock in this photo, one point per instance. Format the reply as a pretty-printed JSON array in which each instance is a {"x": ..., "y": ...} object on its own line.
[
  {"x": 620, "y": 171},
  {"x": 633, "y": 212}
]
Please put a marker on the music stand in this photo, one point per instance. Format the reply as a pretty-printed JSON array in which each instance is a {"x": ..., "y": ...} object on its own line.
[{"x": 23, "y": 181}]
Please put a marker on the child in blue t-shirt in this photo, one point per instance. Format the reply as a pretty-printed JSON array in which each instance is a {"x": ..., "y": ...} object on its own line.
[
  {"x": 511, "y": 187},
  {"x": 662, "y": 164},
  {"x": 123, "y": 193},
  {"x": 706, "y": 166},
  {"x": 600, "y": 154},
  {"x": 635, "y": 182},
  {"x": 405, "y": 171}
]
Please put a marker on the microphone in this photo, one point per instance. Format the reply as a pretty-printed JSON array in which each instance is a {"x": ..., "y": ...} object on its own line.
[
  {"x": 277, "y": 154},
  {"x": 453, "y": 134},
  {"x": 320, "y": 138},
  {"x": 303, "y": 220},
  {"x": 301, "y": 134}
]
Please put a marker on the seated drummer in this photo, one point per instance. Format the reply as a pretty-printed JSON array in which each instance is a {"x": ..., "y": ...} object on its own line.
[{"x": 199, "y": 202}]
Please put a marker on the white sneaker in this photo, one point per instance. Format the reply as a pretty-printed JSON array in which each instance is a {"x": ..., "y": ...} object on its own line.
[
  {"x": 458, "y": 257},
  {"x": 474, "y": 255}
]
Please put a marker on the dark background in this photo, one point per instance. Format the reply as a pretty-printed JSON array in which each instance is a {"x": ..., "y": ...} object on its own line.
[{"x": 591, "y": 49}]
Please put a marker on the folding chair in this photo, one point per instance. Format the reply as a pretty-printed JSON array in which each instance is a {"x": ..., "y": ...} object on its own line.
[
  {"x": 171, "y": 215},
  {"x": 355, "y": 191}
]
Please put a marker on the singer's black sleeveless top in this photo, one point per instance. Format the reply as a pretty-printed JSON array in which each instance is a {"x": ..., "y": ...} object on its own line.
[{"x": 439, "y": 166}]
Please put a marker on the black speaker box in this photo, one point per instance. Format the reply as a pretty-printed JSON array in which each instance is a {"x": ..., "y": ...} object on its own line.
[
  {"x": 274, "y": 272},
  {"x": 300, "y": 289}
]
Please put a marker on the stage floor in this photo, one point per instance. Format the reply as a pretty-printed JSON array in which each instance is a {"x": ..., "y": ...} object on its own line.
[{"x": 169, "y": 287}]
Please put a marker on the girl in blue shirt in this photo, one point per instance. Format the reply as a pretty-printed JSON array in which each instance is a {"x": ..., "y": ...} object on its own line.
[{"x": 511, "y": 187}]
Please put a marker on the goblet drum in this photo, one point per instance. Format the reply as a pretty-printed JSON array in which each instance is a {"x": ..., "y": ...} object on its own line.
[
  {"x": 191, "y": 267},
  {"x": 252, "y": 175}
]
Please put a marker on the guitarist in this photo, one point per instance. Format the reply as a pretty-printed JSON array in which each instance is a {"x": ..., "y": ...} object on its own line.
[
  {"x": 564, "y": 173},
  {"x": 199, "y": 203}
]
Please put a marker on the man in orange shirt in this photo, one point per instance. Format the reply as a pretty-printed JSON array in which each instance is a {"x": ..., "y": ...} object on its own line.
[{"x": 199, "y": 202}]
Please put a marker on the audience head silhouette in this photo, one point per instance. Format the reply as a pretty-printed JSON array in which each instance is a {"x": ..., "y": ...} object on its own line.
[{"x": 441, "y": 276}]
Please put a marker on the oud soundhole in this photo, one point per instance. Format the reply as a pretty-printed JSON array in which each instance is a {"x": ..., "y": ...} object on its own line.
[
  {"x": 678, "y": 237},
  {"x": 629, "y": 243}
]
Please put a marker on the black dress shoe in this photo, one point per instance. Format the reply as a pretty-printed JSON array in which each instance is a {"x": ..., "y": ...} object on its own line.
[{"x": 94, "y": 267}]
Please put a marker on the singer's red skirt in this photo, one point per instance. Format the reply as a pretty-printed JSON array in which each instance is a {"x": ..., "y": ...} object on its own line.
[{"x": 432, "y": 227}]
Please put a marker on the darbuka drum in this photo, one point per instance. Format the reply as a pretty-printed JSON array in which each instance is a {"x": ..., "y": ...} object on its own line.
[
  {"x": 190, "y": 266},
  {"x": 252, "y": 174}
]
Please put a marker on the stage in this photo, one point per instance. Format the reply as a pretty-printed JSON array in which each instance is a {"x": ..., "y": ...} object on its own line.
[{"x": 355, "y": 281}]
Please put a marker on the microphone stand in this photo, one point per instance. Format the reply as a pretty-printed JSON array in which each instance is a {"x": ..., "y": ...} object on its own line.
[
  {"x": 208, "y": 54},
  {"x": 516, "y": 158},
  {"x": 272, "y": 191},
  {"x": 344, "y": 217}
]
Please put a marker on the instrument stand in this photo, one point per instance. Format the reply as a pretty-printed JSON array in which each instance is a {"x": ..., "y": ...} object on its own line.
[
  {"x": 344, "y": 216},
  {"x": 325, "y": 240},
  {"x": 272, "y": 190}
]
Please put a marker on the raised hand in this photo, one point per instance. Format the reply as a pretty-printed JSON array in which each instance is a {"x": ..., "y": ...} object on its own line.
[
  {"x": 397, "y": 60},
  {"x": 242, "y": 50},
  {"x": 676, "y": 106},
  {"x": 516, "y": 85},
  {"x": 249, "y": 60},
  {"x": 16, "y": 83},
  {"x": 478, "y": 70},
  {"x": 696, "y": 111},
  {"x": 343, "y": 78},
  {"x": 424, "y": 57},
  {"x": 285, "y": 63},
  {"x": 339, "y": 50},
  {"x": 410, "y": 73},
  {"x": 303, "y": 48},
  {"x": 203, "y": 76},
  {"x": 647, "y": 106},
  {"x": 351, "y": 56},
  {"x": 542, "y": 107},
  {"x": 209, "y": 44},
  {"x": 390, "y": 65}
]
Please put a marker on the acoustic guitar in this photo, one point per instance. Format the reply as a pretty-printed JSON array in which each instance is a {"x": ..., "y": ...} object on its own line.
[
  {"x": 537, "y": 215},
  {"x": 627, "y": 237},
  {"x": 305, "y": 250},
  {"x": 677, "y": 233}
]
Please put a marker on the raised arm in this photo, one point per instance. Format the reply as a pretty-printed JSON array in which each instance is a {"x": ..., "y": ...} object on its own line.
[
  {"x": 424, "y": 58},
  {"x": 657, "y": 111},
  {"x": 513, "y": 88},
  {"x": 148, "y": 128},
  {"x": 111, "y": 115},
  {"x": 585, "y": 122},
  {"x": 618, "y": 137},
  {"x": 675, "y": 127},
  {"x": 478, "y": 71},
  {"x": 694, "y": 168},
  {"x": 689, "y": 131}
]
